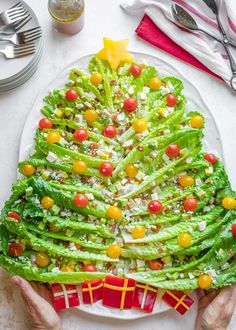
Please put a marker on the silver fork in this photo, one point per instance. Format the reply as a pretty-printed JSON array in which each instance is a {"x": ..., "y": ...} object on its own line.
[
  {"x": 13, "y": 14},
  {"x": 16, "y": 26},
  {"x": 24, "y": 36},
  {"x": 18, "y": 51}
]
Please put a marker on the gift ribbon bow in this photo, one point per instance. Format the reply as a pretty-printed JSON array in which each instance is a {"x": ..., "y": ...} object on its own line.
[
  {"x": 179, "y": 301},
  {"x": 65, "y": 293},
  {"x": 124, "y": 289},
  {"x": 146, "y": 288},
  {"x": 90, "y": 290}
]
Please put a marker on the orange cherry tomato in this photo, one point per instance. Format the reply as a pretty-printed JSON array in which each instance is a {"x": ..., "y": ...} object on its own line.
[
  {"x": 114, "y": 212},
  {"x": 28, "y": 169},
  {"x": 47, "y": 202},
  {"x": 229, "y": 203},
  {"x": 196, "y": 121},
  {"x": 140, "y": 125},
  {"x": 186, "y": 181},
  {"x": 90, "y": 115},
  {"x": 131, "y": 171},
  {"x": 138, "y": 232},
  {"x": 96, "y": 78},
  {"x": 80, "y": 166},
  {"x": 42, "y": 259},
  {"x": 204, "y": 281},
  {"x": 184, "y": 240},
  {"x": 114, "y": 251},
  {"x": 53, "y": 137},
  {"x": 155, "y": 83},
  {"x": 67, "y": 268}
]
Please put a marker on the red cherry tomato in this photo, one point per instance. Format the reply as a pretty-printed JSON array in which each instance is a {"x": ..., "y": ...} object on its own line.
[
  {"x": 109, "y": 131},
  {"x": 154, "y": 206},
  {"x": 173, "y": 150},
  {"x": 89, "y": 268},
  {"x": 81, "y": 200},
  {"x": 80, "y": 135},
  {"x": 171, "y": 100},
  {"x": 210, "y": 158},
  {"x": 135, "y": 70},
  {"x": 190, "y": 204},
  {"x": 106, "y": 169},
  {"x": 130, "y": 104},
  {"x": 14, "y": 215},
  {"x": 155, "y": 264},
  {"x": 45, "y": 123},
  {"x": 71, "y": 95},
  {"x": 233, "y": 228},
  {"x": 15, "y": 250}
]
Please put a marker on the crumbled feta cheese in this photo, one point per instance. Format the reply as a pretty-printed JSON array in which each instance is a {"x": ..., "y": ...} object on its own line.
[
  {"x": 142, "y": 96},
  {"x": 211, "y": 272},
  {"x": 202, "y": 225},
  {"x": 106, "y": 113},
  {"x": 181, "y": 275},
  {"x": 128, "y": 143},
  {"x": 164, "y": 90},
  {"x": 51, "y": 157},
  {"x": 72, "y": 246},
  {"x": 55, "y": 270},
  {"x": 140, "y": 175},
  {"x": 189, "y": 160},
  {"x": 79, "y": 118},
  {"x": 90, "y": 196},
  {"x": 191, "y": 276},
  {"x": 154, "y": 196},
  {"x": 198, "y": 182},
  {"x": 116, "y": 88},
  {"x": 124, "y": 181},
  {"x": 206, "y": 209},
  {"x": 140, "y": 263},
  {"x": 120, "y": 117},
  {"x": 131, "y": 90},
  {"x": 79, "y": 106},
  {"x": 87, "y": 104},
  {"x": 154, "y": 153},
  {"x": 146, "y": 89},
  {"x": 165, "y": 157}
]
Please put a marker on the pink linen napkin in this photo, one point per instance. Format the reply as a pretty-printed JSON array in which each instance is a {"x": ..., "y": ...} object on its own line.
[{"x": 148, "y": 31}]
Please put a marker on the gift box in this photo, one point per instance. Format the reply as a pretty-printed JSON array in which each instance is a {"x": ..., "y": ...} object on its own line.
[
  {"x": 65, "y": 296},
  {"x": 118, "y": 292},
  {"x": 92, "y": 291},
  {"x": 144, "y": 297},
  {"x": 179, "y": 300}
]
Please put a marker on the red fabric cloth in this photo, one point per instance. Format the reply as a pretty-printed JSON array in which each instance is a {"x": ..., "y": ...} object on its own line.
[{"x": 148, "y": 31}]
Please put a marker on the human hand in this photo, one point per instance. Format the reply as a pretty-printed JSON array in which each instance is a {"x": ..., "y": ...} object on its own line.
[
  {"x": 38, "y": 301},
  {"x": 215, "y": 308}
]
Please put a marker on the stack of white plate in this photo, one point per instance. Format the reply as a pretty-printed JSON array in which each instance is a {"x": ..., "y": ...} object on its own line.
[{"x": 15, "y": 72}]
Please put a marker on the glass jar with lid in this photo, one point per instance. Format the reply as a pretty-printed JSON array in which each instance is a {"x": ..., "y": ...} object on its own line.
[{"x": 67, "y": 15}]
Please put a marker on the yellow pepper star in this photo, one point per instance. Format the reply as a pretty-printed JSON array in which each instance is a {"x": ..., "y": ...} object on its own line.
[{"x": 115, "y": 53}]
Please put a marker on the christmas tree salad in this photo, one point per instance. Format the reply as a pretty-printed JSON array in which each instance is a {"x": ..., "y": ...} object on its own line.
[{"x": 119, "y": 184}]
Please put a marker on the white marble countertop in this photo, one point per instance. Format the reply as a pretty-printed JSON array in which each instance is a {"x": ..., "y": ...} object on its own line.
[{"x": 103, "y": 18}]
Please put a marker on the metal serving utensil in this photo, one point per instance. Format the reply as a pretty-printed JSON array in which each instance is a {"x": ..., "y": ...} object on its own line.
[
  {"x": 23, "y": 37},
  {"x": 13, "y": 14},
  {"x": 12, "y": 51},
  {"x": 187, "y": 21}
]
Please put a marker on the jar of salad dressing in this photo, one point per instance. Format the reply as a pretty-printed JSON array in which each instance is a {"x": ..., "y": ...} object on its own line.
[{"x": 67, "y": 15}]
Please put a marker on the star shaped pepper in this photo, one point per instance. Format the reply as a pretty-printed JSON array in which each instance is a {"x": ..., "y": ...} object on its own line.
[{"x": 115, "y": 53}]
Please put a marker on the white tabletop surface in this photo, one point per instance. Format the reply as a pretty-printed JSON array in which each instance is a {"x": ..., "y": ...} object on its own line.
[{"x": 103, "y": 18}]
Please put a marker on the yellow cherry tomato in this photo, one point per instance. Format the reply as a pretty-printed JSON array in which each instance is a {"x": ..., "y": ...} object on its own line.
[
  {"x": 140, "y": 125},
  {"x": 53, "y": 137},
  {"x": 204, "y": 281},
  {"x": 67, "y": 268},
  {"x": 196, "y": 121},
  {"x": 47, "y": 202},
  {"x": 54, "y": 228},
  {"x": 114, "y": 212},
  {"x": 42, "y": 259},
  {"x": 186, "y": 181},
  {"x": 131, "y": 171},
  {"x": 229, "y": 203},
  {"x": 90, "y": 115},
  {"x": 155, "y": 83},
  {"x": 80, "y": 166},
  {"x": 28, "y": 169},
  {"x": 138, "y": 232},
  {"x": 96, "y": 78},
  {"x": 184, "y": 240},
  {"x": 114, "y": 251}
]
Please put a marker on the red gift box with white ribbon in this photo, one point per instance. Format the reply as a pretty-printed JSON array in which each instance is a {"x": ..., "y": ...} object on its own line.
[
  {"x": 144, "y": 297},
  {"x": 65, "y": 296},
  {"x": 118, "y": 292}
]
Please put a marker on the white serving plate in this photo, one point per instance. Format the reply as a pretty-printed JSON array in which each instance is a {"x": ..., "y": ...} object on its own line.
[
  {"x": 212, "y": 142},
  {"x": 13, "y": 69}
]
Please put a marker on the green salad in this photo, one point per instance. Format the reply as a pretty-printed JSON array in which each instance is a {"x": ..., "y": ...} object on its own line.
[{"x": 118, "y": 184}]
